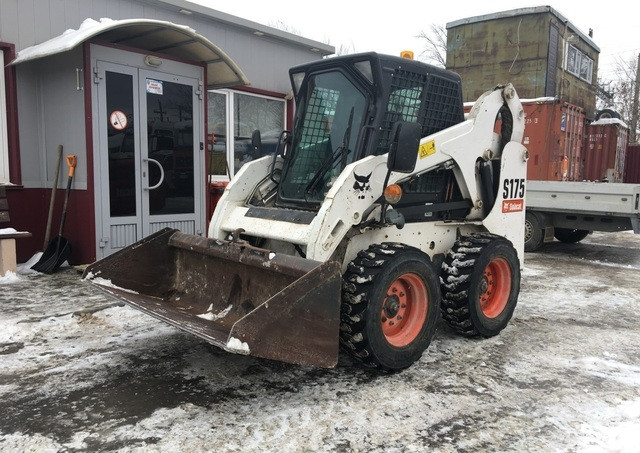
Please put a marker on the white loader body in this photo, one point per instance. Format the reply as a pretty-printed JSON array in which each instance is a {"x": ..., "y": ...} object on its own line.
[{"x": 343, "y": 208}]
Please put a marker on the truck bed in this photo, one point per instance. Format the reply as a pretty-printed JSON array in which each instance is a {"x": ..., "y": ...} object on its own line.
[
  {"x": 584, "y": 197},
  {"x": 589, "y": 206}
]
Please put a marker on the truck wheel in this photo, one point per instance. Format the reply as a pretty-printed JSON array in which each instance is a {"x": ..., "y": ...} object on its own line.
[
  {"x": 570, "y": 236},
  {"x": 389, "y": 306},
  {"x": 480, "y": 284},
  {"x": 607, "y": 113},
  {"x": 533, "y": 234}
]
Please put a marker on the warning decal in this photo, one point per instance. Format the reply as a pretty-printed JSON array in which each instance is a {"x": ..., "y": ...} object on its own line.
[
  {"x": 427, "y": 149},
  {"x": 118, "y": 120}
]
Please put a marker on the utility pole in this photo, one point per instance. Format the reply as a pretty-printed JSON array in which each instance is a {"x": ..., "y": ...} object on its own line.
[{"x": 634, "y": 110}]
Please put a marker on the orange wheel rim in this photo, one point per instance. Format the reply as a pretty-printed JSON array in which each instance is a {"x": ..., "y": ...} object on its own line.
[
  {"x": 495, "y": 287},
  {"x": 404, "y": 310}
]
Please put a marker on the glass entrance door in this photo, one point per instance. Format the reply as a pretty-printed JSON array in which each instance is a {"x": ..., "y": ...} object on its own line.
[
  {"x": 169, "y": 152},
  {"x": 150, "y": 163}
]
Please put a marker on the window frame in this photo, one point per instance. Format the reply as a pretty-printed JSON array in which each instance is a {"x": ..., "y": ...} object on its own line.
[
  {"x": 230, "y": 126},
  {"x": 5, "y": 177},
  {"x": 576, "y": 67}
]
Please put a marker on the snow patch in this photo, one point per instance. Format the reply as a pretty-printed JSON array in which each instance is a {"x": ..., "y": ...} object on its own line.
[
  {"x": 237, "y": 346},
  {"x": 9, "y": 277},
  {"x": 457, "y": 279},
  {"x": 361, "y": 280},
  {"x": 107, "y": 283},
  {"x": 470, "y": 249},
  {"x": 451, "y": 270},
  {"x": 89, "y": 28},
  {"x": 614, "y": 370},
  {"x": 467, "y": 263},
  {"x": 25, "y": 268},
  {"x": 210, "y": 316},
  {"x": 605, "y": 121}
]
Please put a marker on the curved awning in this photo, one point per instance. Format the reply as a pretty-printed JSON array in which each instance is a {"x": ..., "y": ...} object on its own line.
[{"x": 149, "y": 35}]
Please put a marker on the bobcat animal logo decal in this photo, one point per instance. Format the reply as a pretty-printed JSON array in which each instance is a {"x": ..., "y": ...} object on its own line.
[{"x": 361, "y": 186}]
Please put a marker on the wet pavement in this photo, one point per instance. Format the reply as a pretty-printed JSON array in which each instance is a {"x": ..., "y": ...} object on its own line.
[{"x": 81, "y": 372}]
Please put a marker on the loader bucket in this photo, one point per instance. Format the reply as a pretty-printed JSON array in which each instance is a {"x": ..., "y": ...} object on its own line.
[{"x": 240, "y": 298}]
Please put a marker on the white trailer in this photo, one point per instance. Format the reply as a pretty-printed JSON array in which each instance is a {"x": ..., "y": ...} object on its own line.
[{"x": 569, "y": 211}]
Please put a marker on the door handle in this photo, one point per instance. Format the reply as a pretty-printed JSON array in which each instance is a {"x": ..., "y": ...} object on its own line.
[{"x": 161, "y": 174}]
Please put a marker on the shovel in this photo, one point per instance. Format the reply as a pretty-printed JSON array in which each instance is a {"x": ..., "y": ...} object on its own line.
[
  {"x": 52, "y": 201},
  {"x": 59, "y": 248}
]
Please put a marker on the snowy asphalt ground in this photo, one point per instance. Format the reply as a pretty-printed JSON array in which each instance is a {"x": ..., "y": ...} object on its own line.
[{"x": 81, "y": 373}]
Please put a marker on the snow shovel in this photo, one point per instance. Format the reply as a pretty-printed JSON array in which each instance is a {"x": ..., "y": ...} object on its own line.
[
  {"x": 59, "y": 248},
  {"x": 52, "y": 201}
]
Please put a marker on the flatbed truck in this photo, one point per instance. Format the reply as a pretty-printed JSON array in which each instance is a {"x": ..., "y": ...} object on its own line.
[{"x": 569, "y": 211}]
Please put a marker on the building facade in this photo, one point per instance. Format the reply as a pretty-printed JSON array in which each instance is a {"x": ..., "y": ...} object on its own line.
[
  {"x": 537, "y": 49},
  {"x": 157, "y": 102}
]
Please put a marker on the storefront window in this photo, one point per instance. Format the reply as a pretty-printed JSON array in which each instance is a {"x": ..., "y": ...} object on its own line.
[
  {"x": 217, "y": 134},
  {"x": 251, "y": 113},
  {"x": 248, "y": 112}
]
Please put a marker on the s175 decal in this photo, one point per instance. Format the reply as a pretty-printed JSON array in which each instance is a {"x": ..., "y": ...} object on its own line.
[
  {"x": 513, "y": 188},
  {"x": 513, "y": 191}
]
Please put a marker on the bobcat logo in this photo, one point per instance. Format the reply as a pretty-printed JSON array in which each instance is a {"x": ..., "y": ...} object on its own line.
[{"x": 361, "y": 186}]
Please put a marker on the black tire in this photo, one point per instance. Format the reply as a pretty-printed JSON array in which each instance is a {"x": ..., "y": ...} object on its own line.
[
  {"x": 480, "y": 284},
  {"x": 386, "y": 291},
  {"x": 607, "y": 113},
  {"x": 570, "y": 236},
  {"x": 533, "y": 233}
]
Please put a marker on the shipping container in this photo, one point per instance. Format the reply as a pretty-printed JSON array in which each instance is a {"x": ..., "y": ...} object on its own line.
[
  {"x": 632, "y": 165},
  {"x": 553, "y": 134},
  {"x": 605, "y": 150}
]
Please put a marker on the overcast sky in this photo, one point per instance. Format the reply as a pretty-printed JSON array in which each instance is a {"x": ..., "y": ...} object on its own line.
[{"x": 389, "y": 27}]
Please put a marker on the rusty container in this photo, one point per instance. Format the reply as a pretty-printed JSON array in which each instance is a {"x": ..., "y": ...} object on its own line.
[
  {"x": 553, "y": 134},
  {"x": 632, "y": 165},
  {"x": 605, "y": 150}
]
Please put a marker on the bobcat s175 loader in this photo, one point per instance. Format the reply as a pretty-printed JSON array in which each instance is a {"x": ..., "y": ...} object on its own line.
[{"x": 380, "y": 211}]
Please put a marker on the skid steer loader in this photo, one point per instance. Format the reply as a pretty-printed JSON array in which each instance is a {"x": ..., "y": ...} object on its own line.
[{"x": 380, "y": 211}]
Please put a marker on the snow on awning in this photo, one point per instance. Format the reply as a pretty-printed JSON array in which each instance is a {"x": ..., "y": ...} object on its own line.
[{"x": 150, "y": 35}]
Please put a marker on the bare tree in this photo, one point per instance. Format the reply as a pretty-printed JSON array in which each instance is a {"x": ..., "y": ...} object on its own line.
[
  {"x": 435, "y": 48},
  {"x": 620, "y": 94},
  {"x": 281, "y": 25},
  {"x": 345, "y": 49},
  {"x": 342, "y": 49}
]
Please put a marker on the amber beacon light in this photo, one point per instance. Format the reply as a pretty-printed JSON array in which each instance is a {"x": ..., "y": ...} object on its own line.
[{"x": 408, "y": 54}]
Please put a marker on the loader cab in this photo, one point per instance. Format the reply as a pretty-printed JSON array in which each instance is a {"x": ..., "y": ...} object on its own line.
[{"x": 346, "y": 109}]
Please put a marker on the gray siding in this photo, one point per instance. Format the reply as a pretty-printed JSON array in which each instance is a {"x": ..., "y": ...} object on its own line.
[
  {"x": 51, "y": 112},
  {"x": 264, "y": 60}
]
